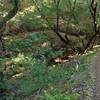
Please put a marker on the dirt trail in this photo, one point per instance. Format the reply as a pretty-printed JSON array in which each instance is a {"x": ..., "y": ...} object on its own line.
[{"x": 97, "y": 68}]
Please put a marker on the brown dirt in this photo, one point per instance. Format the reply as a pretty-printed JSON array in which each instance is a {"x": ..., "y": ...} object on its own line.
[{"x": 97, "y": 67}]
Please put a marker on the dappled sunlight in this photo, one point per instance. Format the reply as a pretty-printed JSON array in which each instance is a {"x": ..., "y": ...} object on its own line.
[
  {"x": 47, "y": 49},
  {"x": 9, "y": 38},
  {"x": 45, "y": 44},
  {"x": 28, "y": 9},
  {"x": 96, "y": 48},
  {"x": 19, "y": 58},
  {"x": 31, "y": 9},
  {"x": 60, "y": 60}
]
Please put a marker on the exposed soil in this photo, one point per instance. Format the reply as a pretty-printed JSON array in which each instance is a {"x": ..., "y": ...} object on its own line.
[{"x": 97, "y": 67}]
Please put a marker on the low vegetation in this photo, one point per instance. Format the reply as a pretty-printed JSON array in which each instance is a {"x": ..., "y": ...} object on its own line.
[{"x": 47, "y": 49}]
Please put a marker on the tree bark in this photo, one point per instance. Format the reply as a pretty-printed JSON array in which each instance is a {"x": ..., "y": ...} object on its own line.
[{"x": 93, "y": 11}]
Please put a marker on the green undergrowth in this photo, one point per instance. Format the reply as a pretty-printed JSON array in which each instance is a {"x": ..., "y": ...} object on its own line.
[{"x": 27, "y": 72}]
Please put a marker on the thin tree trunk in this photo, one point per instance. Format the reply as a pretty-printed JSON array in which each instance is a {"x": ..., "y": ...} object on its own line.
[
  {"x": 57, "y": 23},
  {"x": 93, "y": 11}
]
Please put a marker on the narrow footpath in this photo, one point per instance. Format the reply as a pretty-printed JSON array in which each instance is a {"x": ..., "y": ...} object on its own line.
[{"x": 97, "y": 68}]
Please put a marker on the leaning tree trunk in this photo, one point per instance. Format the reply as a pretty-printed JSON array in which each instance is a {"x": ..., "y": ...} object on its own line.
[
  {"x": 93, "y": 11},
  {"x": 3, "y": 22}
]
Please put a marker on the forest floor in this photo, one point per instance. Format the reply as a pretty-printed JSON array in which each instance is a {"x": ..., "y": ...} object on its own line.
[
  {"x": 35, "y": 71},
  {"x": 97, "y": 73}
]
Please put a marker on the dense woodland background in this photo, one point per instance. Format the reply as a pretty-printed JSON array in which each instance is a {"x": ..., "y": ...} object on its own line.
[{"x": 47, "y": 49}]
